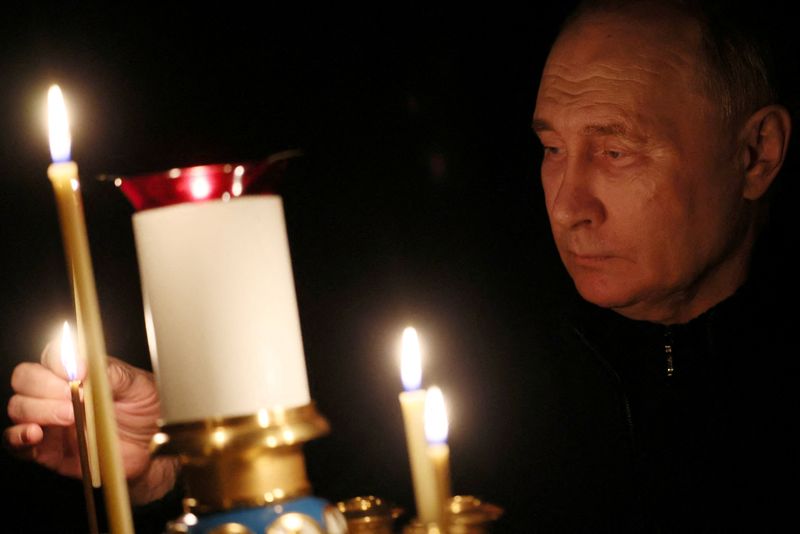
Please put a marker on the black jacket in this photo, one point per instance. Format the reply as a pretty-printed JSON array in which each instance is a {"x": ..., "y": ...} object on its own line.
[{"x": 686, "y": 428}]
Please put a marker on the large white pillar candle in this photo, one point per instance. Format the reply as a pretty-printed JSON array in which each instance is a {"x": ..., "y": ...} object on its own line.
[{"x": 220, "y": 307}]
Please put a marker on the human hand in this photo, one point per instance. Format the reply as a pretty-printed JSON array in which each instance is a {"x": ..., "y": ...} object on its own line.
[{"x": 44, "y": 429}]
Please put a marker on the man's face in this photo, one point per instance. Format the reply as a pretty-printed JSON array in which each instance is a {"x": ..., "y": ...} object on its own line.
[{"x": 642, "y": 180}]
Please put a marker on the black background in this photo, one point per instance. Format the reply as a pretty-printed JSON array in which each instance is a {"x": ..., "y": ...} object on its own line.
[{"x": 416, "y": 202}]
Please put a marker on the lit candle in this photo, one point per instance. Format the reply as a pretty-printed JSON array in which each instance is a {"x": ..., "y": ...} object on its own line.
[
  {"x": 63, "y": 174},
  {"x": 68, "y": 359},
  {"x": 436, "y": 427},
  {"x": 412, "y": 402}
]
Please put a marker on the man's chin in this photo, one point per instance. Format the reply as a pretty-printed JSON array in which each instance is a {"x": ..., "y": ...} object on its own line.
[
  {"x": 623, "y": 300},
  {"x": 604, "y": 294}
]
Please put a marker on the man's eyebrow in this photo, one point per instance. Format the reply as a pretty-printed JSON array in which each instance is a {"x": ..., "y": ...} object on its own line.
[
  {"x": 617, "y": 129},
  {"x": 614, "y": 128},
  {"x": 540, "y": 125}
]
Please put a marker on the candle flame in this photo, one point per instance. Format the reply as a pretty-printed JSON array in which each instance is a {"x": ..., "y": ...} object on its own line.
[
  {"x": 68, "y": 352},
  {"x": 411, "y": 360},
  {"x": 58, "y": 125},
  {"x": 436, "y": 425}
]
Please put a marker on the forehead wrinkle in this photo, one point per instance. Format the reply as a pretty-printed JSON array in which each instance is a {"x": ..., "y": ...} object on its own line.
[
  {"x": 600, "y": 75},
  {"x": 683, "y": 65}
]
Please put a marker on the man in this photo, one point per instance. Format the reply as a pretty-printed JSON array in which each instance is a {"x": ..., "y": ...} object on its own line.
[
  {"x": 658, "y": 409},
  {"x": 661, "y": 138}
]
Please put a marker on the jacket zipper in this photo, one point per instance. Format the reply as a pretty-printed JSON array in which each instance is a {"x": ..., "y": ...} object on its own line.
[{"x": 668, "y": 351}]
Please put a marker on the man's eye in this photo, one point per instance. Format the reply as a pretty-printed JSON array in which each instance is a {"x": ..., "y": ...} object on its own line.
[
  {"x": 551, "y": 150},
  {"x": 613, "y": 154}
]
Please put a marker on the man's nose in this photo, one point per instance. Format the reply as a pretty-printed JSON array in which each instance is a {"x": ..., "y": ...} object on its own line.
[{"x": 576, "y": 203}]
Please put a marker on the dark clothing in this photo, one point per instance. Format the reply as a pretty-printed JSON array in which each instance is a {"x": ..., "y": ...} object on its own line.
[{"x": 686, "y": 428}]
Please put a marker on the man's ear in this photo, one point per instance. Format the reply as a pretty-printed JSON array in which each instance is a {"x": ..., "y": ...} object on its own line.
[{"x": 766, "y": 138}]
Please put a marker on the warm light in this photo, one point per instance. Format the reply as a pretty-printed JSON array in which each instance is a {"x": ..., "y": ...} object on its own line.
[
  {"x": 263, "y": 417},
  {"x": 411, "y": 360},
  {"x": 435, "y": 416},
  {"x": 237, "y": 187},
  {"x": 58, "y": 126},
  {"x": 293, "y": 521},
  {"x": 219, "y": 437},
  {"x": 68, "y": 352},
  {"x": 200, "y": 187}
]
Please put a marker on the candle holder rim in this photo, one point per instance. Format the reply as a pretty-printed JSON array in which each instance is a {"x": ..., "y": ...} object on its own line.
[
  {"x": 468, "y": 509},
  {"x": 203, "y": 182},
  {"x": 269, "y": 428},
  {"x": 368, "y": 508},
  {"x": 223, "y": 166}
]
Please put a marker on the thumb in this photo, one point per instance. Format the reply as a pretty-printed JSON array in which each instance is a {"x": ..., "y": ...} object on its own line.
[{"x": 129, "y": 383}]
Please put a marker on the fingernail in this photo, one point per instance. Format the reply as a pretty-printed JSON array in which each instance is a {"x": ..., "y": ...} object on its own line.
[{"x": 23, "y": 436}]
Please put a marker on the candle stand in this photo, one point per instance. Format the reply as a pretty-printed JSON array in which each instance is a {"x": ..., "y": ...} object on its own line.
[
  {"x": 247, "y": 474},
  {"x": 224, "y": 334},
  {"x": 466, "y": 515}
]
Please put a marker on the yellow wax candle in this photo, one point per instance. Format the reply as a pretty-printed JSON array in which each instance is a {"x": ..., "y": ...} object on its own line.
[
  {"x": 76, "y": 391},
  {"x": 412, "y": 403},
  {"x": 436, "y": 428},
  {"x": 63, "y": 175}
]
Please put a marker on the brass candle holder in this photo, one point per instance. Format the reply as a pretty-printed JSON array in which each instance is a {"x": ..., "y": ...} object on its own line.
[
  {"x": 372, "y": 515},
  {"x": 465, "y": 515},
  {"x": 369, "y": 515},
  {"x": 248, "y": 474}
]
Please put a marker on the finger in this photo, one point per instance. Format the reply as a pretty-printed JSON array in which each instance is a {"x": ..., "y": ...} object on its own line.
[
  {"x": 35, "y": 380},
  {"x": 22, "y": 436},
  {"x": 58, "y": 451},
  {"x": 23, "y": 409}
]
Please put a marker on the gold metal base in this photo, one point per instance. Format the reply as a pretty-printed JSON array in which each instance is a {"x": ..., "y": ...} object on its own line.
[
  {"x": 243, "y": 461},
  {"x": 369, "y": 515},
  {"x": 466, "y": 515}
]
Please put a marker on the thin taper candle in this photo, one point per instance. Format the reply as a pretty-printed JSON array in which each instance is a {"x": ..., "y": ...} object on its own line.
[
  {"x": 70, "y": 362},
  {"x": 64, "y": 177},
  {"x": 80, "y": 430}
]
